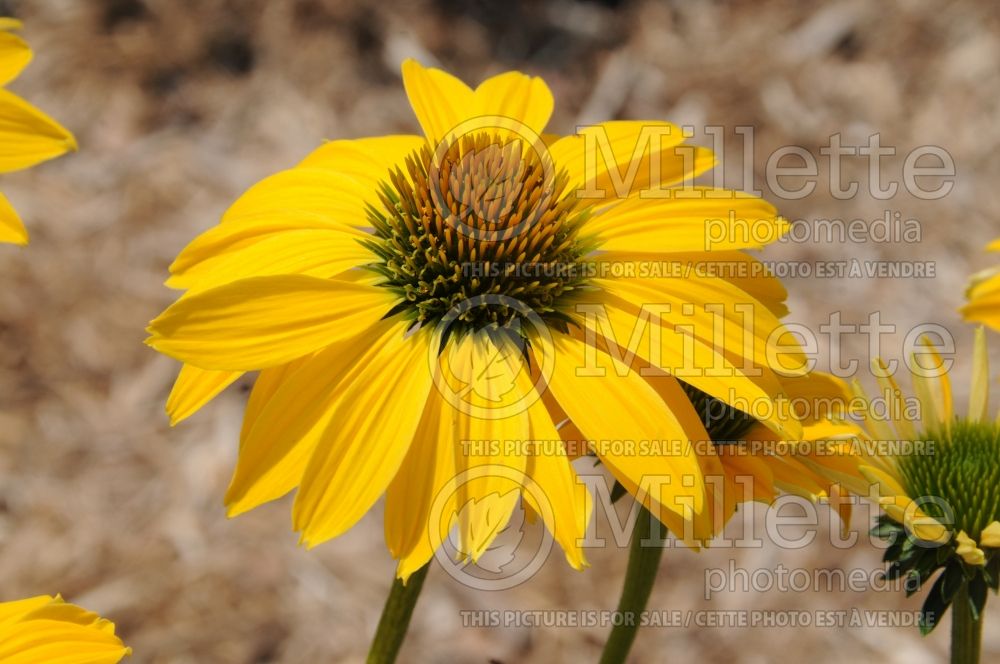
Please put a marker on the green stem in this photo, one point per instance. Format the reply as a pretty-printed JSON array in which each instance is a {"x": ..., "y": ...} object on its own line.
[
  {"x": 396, "y": 618},
  {"x": 966, "y": 631},
  {"x": 643, "y": 562}
]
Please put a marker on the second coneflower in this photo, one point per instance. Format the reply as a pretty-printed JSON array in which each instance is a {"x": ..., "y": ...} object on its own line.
[{"x": 937, "y": 478}]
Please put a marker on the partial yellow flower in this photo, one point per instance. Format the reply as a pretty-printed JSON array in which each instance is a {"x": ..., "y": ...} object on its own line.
[
  {"x": 27, "y": 135},
  {"x": 432, "y": 317},
  {"x": 946, "y": 483},
  {"x": 936, "y": 476},
  {"x": 47, "y": 629},
  {"x": 984, "y": 295}
]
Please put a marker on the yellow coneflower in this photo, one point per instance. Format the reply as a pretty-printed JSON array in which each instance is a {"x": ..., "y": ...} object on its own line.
[
  {"x": 409, "y": 300},
  {"x": 47, "y": 629},
  {"x": 937, "y": 477},
  {"x": 984, "y": 295},
  {"x": 27, "y": 135}
]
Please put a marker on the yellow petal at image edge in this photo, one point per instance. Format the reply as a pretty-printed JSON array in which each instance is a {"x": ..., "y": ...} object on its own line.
[
  {"x": 620, "y": 406},
  {"x": 27, "y": 135},
  {"x": 288, "y": 412},
  {"x": 11, "y": 228},
  {"x": 265, "y": 321},
  {"x": 440, "y": 101},
  {"x": 14, "y": 56},
  {"x": 373, "y": 421},
  {"x": 194, "y": 388}
]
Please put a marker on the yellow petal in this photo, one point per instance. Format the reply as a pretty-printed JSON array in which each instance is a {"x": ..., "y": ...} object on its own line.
[
  {"x": 872, "y": 421},
  {"x": 47, "y": 629},
  {"x": 991, "y": 535},
  {"x": 194, "y": 388},
  {"x": 420, "y": 501},
  {"x": 695, "y": 219},
  {"x": 522, "y": 98},
  {"x": 27, "y": 135},
  {"x": 745, "y": 272},
  {"x": 317, "y": 252},
  {"x": 14, "y": 56},
  {"x": 968, "y": 550},
  {"x": 374, "y": 419},
  {"x": 568, "y": 499},
  {"x": 265, "y": 321},
  {"x": 888, "y": 485},
  {"x": 706, "y": 365},
  {"x": 440, "y": 101},
  {"x": 485, "y": 370},
  {"x": 367, "y": 160},
  {"x": 823, "y": 398},
  {"x": 891, "y": 393},
  {"x": 11, "y": 228},
  {"x": 290, "y": 195},
  {"x": 934, "y": 390},
  {"x": 18, "y": 609},
  {"x": 621, "y": 413},
  {"x": 620, "y": 159},
  {"x": 39, "y": 640},
  {"x": 979, "y": 394},
  {"x": 289, "y": 409},
  {"x": 216, "y": 244}
]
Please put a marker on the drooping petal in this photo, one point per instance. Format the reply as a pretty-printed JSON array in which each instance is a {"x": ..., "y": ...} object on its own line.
[
  {"x": 265, "y": 321},
  {"x": 27, "y": 135},
  {"x": 743, "y": 271},
  {"x": 718, "y": 313},
  {"x": 569, "y": 501},
  {"x": 440, "y": 101},
  {"x": 11, "y": 228},
  {"x": 373, "y": 423},
  {"x": 194, "y": 388},
  {"x": 46, "y": 629},
  {"x": 620, "y": 413},
  {"x": 288, "y": 412},
  {"x": 634, "y": 330},
  {"x": 492, "y": 426},
  {"x": 420, "y": 501},
  {"x": 14, "y": 56}
]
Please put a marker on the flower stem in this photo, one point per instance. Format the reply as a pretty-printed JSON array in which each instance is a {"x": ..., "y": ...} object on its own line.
[
  {"x": 966, "y": 631},
  {"x": 396, "y": 618},
  {"x": 643, "y": 563}
]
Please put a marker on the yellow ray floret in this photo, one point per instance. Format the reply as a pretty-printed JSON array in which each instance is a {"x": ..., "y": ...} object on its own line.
[
  {"x": 47, "y": 629},
  {"x": 27, "y": 135}
]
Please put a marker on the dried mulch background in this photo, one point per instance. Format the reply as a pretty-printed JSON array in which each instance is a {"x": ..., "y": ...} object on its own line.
[{"x": 178, "y": 107}]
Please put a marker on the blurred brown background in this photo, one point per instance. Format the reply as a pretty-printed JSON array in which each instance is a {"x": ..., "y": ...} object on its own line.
[{"x": 179, "y": 106}]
